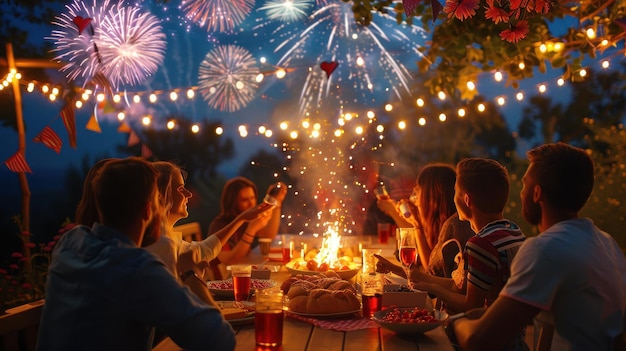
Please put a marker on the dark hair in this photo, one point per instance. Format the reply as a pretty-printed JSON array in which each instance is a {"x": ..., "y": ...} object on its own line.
[
  {"x": 86, "y": 211},
  {"x": 230, "y": 193},
  {"x": 486, "y": 181},
  {"x": 436, "y": 183},
  {"x": 565, "y": 174},
  {"x": 122, "y": 189}
]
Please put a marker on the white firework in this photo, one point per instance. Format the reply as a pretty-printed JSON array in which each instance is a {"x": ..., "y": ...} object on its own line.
[
  {"x": 131, "y": 44},
  {"x": 77, "y": 48},
  {"x": 227, "y": 78},
  {"x": 217, "y": 15},
  {"x": 286, "y": 10}
]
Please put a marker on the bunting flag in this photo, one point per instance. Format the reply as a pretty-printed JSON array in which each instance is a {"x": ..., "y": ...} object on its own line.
[
  {"x": 50, "y": 139},
  {"x": 93, "y": 125},
  {"x": 124, "y": 128},
  {"x": 100, "y": 80},
  {"x": 69, "y": 120},
  {"x": 437, "y": 7},
  {"x": 17, "y": 163},
  {"x": 409, "y": 6},
  {"x": 133, "y": 138},
  {"x": 145, "y": 151}
]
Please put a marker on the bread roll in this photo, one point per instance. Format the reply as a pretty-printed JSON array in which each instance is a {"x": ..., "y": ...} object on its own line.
[
  {"x": 298, "y": 303},
  {"x": 297, "y": 290},
  {"x": 321, "y": 301},
  {"x": 342, "y": 285}
]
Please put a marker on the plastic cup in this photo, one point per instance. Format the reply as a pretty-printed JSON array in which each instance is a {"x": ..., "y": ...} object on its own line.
[
  {"x": 288, "y": 247},
  {"x": 242, "y": 275},
  {"x": 264, "y": 244},
  {"x": 268, "y": 317},
  {"x": 384, "y": 230}
]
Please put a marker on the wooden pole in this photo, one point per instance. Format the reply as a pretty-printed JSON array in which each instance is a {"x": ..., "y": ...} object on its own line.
[{"x": 25, "y": 225}]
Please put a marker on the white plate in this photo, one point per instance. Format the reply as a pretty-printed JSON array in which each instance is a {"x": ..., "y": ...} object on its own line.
[
  {"x": 327, "y": 315},
  {"x": 214, "y": 286},
  {"x": 345, "y": 274}
]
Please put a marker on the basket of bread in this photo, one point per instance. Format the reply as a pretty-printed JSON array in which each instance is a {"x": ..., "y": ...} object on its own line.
[{"x": 321, "y": 295}]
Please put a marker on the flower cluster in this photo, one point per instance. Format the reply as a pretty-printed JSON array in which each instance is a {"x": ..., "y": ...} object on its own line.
[
  {"x": 24, "y": 279},
  {"x": 513, "y": 13}
]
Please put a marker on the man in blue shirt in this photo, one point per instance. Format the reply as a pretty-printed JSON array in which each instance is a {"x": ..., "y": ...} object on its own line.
[{"x": 104, "y": 292}]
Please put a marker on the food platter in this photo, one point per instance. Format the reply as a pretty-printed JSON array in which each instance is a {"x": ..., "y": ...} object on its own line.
[
  {"x": 237, "y": 313},
  {"x": 440, "y": 318},
  {"x": 343, "y": 274},
  {"x": 224, "y": 288},
  {"x": 327, "y": 315}
]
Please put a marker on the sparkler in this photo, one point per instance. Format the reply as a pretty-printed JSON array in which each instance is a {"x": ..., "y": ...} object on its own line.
[
  {"x": 227, "y": 78},
  {"x": 217, "y": 15},
  {"x": 131, "y": 43}
]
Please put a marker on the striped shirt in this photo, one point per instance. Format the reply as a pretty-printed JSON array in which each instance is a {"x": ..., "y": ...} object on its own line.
[{"x": 488, "y": 255}]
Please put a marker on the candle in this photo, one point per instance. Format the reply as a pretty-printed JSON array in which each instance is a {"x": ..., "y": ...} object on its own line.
[
  {"x": 360, "y": 248},
  {"x": 302, "y": 253}
]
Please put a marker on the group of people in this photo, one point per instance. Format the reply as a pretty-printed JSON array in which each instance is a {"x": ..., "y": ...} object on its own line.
[
  {"x": 572, "y": 273},
  {"x": 124, "y": 271}
]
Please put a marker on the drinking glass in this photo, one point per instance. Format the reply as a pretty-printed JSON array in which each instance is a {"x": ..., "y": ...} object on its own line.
[
  {"x": 268, "y": 317},
  {"x": 408, "y": 251},
  {"x": 371, "y": 293},
  {"x": 242, "y": 275},
  {"x": 288, "y": 246}
]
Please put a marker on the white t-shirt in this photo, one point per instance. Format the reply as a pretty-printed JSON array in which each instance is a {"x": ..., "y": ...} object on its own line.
[
  {"x": 577, "y": 274},
  {"x": 168, "y": 247}
]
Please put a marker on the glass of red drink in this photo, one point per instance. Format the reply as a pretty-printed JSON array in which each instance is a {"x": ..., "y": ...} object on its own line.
[
  {"x": 268, "y": 317},
  {"x": 371, "y": 293},
  {"x": 288, "y": 247},
  {"x": 407, "y": 250},
  {"x": 384, "y": 230},
  {"x": 242, "y": 274}
]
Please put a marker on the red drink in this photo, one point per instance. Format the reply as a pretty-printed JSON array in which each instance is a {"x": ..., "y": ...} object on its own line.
[
  {"x": 241, "y": 287},
  {"x": 268, "y": 327},
  {"x": 371, "y": 304},
  {"x": 286, "y": 254},
  {"x": 408, "y": 255},
  {"x": 384, "y": 230}
]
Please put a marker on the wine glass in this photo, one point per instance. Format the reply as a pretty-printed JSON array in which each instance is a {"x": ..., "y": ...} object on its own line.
[{"x": 408, "y": 251}]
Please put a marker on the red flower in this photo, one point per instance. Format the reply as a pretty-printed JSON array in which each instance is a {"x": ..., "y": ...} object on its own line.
[
  {"x": 14, "y": 266},
  {"x": 30, "y": 245},
  {"x": 3, "y": 271},
  {"x": 47, "y": 249},
  {"x": 461, "y": 9},
  {"x": 27, "y": 286},
  {"x": 542, "y": 6},
  {"x": 515, "y": 34},
  {"x": 16, "y": 254},
  {"x": 26, "y": 233},
  {"x": 496, "y": 14}
]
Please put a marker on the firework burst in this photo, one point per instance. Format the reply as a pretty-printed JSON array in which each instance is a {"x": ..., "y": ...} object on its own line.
[
  {"x": 286, "y": 10},
  {"x": 227, "y": 78},
  {"x": 368, "y": 56},
  {"x": 217, "y": 15},
  {"x": 131, "y": 44},
  {"x": 77, "y": 47}
]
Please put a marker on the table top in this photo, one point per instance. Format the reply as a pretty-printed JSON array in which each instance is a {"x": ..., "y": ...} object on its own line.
[{"x": 300, "y": 335}]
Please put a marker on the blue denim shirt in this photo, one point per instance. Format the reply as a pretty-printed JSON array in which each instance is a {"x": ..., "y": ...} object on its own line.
[{"x": 104, "y": 293}]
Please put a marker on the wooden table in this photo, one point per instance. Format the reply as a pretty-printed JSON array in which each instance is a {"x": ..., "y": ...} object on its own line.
[{"x": 302, "y": 336}]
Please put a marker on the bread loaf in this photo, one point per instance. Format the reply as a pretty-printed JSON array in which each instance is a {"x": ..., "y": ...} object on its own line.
[{"x": 319, "y": 294}]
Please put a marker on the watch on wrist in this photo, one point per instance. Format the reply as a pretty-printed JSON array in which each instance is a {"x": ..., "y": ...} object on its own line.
[{"x": 186, "y": 275}]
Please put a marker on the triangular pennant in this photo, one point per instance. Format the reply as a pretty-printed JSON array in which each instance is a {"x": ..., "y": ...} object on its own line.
[
  {"x": 436, "y": 6},
  {"x": 81, "y": 23},
  {"x": 50, "y": 139},
  {"x": 409, "y": 6},
  {"x": 17, "y": 163},
  {"x": 133, "y": 138},
  {"x": 93, "y": 125},
  {"x": 145, "y": 151},
  {"x": 329, "y": 67},
  {"x": 124, "y": 128},
  {"x": 69, "y": 120}
]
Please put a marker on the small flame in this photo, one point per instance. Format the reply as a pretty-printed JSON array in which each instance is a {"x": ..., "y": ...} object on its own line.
[{"x": 331, "y": 243}]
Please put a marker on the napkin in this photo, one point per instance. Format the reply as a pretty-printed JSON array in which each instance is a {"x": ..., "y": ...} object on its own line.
[{"x": 338, "y": 324}]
